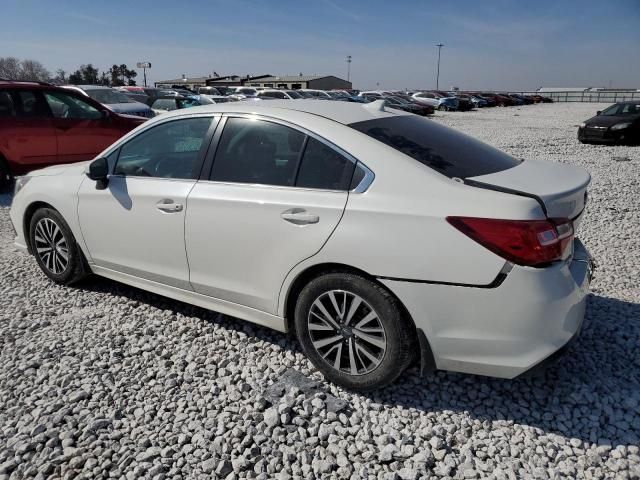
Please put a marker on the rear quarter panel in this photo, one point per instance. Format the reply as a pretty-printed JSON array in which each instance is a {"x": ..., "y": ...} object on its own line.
[{"x": 398, "y": 227}]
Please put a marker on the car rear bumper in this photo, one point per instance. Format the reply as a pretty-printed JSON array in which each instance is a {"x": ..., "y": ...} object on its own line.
[{"x": 506, "y": 330}]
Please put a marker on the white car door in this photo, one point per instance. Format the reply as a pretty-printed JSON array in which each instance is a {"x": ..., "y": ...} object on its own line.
[
  {"x": 136, "y": 224},
  {"x": 272, "y": 199}
]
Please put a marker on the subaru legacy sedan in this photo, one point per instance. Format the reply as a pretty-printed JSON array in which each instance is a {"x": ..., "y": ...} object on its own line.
[{"x": 377, "y": 237}]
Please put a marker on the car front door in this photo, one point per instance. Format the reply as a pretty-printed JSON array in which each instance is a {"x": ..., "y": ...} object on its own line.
[
  {"x": 28, "y": 139},
  {"x": 83, "y": 130},
  {"x": 273, "y": 197},
  {"x": 136, "y": 225}
]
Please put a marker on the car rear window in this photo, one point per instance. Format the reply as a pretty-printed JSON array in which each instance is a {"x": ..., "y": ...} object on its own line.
[{"x": 443, "y": 149}]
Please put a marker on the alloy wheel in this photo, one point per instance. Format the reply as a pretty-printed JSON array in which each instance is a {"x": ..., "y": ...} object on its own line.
[
  {"x": 51, "y": 246},
  {"x": 347, "y": 332}
]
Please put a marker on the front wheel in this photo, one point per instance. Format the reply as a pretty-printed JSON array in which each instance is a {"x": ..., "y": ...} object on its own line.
[
  {"x": 353, "y": 331},
  {"x": 56, "y": 251}
]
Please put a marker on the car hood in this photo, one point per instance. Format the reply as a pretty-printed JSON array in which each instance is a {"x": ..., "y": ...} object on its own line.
[
  {"x": 68, "y": 168},
  {"x": 610, "y": 120},
  {"x": 128, "y": 107}
]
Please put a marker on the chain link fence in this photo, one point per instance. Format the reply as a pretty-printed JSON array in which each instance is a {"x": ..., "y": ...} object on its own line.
[{"x": 605, "y": 96}]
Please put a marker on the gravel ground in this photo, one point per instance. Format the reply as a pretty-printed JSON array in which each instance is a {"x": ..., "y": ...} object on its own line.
[{"x": 106, "y": 381}]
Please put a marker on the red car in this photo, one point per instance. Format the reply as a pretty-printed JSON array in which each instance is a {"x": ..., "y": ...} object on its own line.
[
  {"x": 41, "y": 124},
  {"x": 501, "y": 100}
]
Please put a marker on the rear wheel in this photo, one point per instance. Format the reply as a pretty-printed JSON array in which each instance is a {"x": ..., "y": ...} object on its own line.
[
  {"x": 353, "y": 331},
  {"x": 55, "y": 248}
]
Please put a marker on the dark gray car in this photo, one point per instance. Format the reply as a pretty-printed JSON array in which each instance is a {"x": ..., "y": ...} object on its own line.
[{"x": 114, "y": 100}]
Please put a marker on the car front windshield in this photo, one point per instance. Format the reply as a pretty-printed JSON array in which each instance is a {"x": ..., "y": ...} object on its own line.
[
  {"x": 108, "y": 97},
  {"x": 622, "y": 109},
  {"x": 294, "y": 94},
  {"x": 400, "y": 100}
]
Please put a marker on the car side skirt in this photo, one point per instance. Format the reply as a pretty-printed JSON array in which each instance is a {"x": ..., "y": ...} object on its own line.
[{"x": 204, "y": 301}]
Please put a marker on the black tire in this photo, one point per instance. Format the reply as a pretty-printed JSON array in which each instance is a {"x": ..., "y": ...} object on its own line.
[
  {"x": 6, "y": 179},
  {"x": 398, "y": 332},
  {"x": 74, "y": 266}
]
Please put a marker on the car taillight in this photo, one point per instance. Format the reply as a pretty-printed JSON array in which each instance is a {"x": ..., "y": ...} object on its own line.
[{"x": 523, "y": 242}]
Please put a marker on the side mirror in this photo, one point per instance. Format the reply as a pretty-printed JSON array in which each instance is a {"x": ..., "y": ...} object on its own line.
[
  {"x": 598, "y": 112},
  {"x": 106, "y": 114},
  {"x": 99, "y": 172}
]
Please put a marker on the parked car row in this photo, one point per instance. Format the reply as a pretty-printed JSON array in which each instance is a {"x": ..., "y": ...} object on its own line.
[
  {"x": 75, "y": 122},
  {"x": 457, "y": 100}
]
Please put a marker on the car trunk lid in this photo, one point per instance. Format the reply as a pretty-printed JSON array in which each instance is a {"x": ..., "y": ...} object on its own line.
[{"x": 561, "y": 189}]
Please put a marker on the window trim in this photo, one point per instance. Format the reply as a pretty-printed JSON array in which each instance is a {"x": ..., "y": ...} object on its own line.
[
  {"x": 200, "y": 162},
  {"x": 205, "y": 175}
]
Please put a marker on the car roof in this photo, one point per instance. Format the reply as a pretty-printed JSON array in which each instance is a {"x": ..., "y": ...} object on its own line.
[
  {"x": 90, "y": 87},
  {"x": 341, "y": 112},
  {"x": 25, "y": 83}
]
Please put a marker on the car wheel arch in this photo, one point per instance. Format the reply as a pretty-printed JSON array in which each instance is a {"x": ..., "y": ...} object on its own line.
[
  {"x": 317, "y": 270},
  {"x": 29, "y": 212},
  {"x": 424, "y": 356}
]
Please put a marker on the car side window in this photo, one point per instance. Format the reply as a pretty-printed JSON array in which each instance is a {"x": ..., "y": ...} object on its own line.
[
  {"x": 169, "y": 150},
  {"x": 63, "y": 105},
  {"x": 324, "y": 168},
  {"x": 31, "y": 104},
  {"x": 7, "y": 108},
  {"x": 257, "y": 151}
]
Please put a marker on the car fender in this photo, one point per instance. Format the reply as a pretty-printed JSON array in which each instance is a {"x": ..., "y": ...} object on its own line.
[{"x": 58, "y": 191}]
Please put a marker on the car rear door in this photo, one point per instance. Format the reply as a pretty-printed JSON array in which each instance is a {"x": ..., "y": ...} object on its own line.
[
  {"x": 28, "y": 139},
  {"x": 273, "y": 197},
  {"x": 83, "y": 129}
]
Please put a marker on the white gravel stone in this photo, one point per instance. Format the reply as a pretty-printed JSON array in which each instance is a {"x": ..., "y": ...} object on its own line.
[{"x": 101, "y": 380}]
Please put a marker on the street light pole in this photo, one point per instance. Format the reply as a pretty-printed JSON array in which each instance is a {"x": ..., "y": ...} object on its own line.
[
  {"x": 348, "y": 67},
  {"x": 439, "y": 45}
]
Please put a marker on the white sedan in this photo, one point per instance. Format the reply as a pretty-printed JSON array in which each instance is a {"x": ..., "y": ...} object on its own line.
[{"x": 378, "y": 237}]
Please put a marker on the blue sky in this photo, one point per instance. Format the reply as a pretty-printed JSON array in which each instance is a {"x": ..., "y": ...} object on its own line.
[{"x": 490, "y": 44}]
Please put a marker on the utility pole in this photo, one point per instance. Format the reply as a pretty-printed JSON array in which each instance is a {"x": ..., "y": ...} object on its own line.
[
  {"x": 439, "y": 45},
  {"x": 348, "y": 67}
]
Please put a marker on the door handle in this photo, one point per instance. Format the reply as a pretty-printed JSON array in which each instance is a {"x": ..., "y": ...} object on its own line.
[
  {"x": 169, "y": 206},
  {"x": 299, "y": 216}
]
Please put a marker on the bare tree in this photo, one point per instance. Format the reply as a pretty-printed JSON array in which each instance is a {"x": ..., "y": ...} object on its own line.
[
  {"x": 61, "y": 77},
  {"x": 10, "y": 68},
  {"x": 34, "y": 71}
]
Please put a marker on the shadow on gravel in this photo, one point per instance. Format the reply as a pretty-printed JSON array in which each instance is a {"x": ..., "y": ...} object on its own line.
[
  {"x": 592, "y": 393},
  {"x": 5, "y": 199}
]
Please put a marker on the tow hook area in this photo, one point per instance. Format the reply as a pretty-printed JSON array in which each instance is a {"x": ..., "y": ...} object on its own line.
[{"x": 591, "y": 266}]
